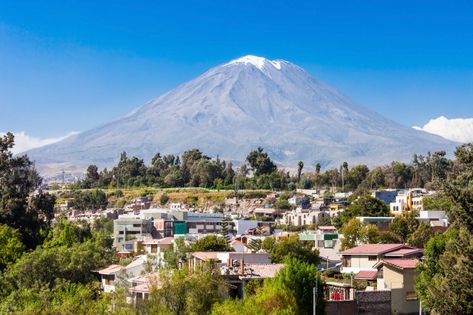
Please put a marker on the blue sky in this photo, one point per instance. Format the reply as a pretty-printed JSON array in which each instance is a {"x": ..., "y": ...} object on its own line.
[{"x": 72, "y": 65}]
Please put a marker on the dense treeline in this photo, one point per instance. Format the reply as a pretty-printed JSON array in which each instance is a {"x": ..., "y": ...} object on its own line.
[
  {"x": 192, "y": 169},
  {"x": 195, "y": 169}
]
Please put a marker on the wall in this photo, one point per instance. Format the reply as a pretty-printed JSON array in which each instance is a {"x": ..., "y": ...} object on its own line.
[
  {"x": 373, "y": 302},
  {"x": 359, "y": 263},
  {"x": 340, "y": 307}
]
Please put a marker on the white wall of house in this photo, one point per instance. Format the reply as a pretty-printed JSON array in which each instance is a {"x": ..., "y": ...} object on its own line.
[{"x": 359, "y": 263}]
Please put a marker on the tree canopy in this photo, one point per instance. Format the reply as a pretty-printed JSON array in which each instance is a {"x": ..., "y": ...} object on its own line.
[
  {"x": 19, "y": 208},
  {"x": 211, "y": 243}
]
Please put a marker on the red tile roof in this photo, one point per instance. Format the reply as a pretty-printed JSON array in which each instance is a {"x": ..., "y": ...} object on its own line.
[
  {"x": 372, "y": 249},
  {"x": 367, "y": 275},
  {"x": 404, "y": 252},
  {"x": 401, "y": 263},
  {"x": 159, "y": 241},
  {"x": 110, "y": 270}
]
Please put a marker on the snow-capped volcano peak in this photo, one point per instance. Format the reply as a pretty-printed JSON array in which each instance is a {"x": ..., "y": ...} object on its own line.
[
  {"x": 236, "y": 107},
  {"x": 259, "y": 62}
]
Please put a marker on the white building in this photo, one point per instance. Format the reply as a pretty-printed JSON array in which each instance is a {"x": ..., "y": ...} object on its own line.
[
  {"x": 409, "y": 200},
  {"x": 299, "y": 217}
]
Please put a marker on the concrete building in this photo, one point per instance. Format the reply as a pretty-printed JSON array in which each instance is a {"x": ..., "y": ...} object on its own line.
[{"x": 129, "y": 228}]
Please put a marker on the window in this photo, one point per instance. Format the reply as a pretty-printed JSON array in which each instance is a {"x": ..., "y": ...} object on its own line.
[
  {"x": 372, "y": 258},
  {"x": 136, "y": 225}
]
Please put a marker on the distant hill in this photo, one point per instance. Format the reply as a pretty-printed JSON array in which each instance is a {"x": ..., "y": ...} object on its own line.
[{"x": 238, "y": 106}]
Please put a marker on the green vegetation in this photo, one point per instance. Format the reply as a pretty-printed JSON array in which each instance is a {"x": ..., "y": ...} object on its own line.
[
  {"x": 211, "y": 243},
  {"x": 290, "y": 247},
  {"x": 290, "y": 292},
  {"x": 29, "y": 214},
  {"x": 11, "y": 247},
  {"x": 446, "y": 274},
  {"x": 192, "y": 169},
  {"x": 366, "y": 206}
]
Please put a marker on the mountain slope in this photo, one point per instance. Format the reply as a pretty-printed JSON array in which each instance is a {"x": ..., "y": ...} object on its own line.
[{"x": 249, "y": 102}]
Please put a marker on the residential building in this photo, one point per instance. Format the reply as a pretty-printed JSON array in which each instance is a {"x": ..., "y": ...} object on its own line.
[
  {"x": 327, "y": 241},
  {"x": 158, "y": 246},
  {"x": 408, "y": 200},
  {"x": 242, "y": 226},
  {"x": 129, "y": 228},
  {"x": 387, "y": 196},
  {"x": 197, "y": 259},
  {"x": 298, "y": 201},
  {"x": 398, "y": 275},
  {"x": 267, "y": 213},
  {"x": 365, "y": 257},
  {"x": 299, "y": 217},
  {"x": 114, "y": 274}
]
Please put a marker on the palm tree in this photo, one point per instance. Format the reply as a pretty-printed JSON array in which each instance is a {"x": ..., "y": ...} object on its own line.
[{"x": 300, "y": 165}]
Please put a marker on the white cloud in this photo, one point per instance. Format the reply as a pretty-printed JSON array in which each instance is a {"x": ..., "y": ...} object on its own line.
[
  {"x": 24, "y": 142},
  {"x": 458, "y": 129}
]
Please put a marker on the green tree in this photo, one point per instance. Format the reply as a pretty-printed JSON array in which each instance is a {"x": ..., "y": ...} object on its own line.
[
  {"x": 300, "y": 278},
  {"x": 421, "y": 236},
  {"x": 446, "y": 273},
  {"x": 300, "y": 166},
  {"x": 67, "y": 234},
  {"x": 356, "y": 176},
  {"x": 46, "y": 266},
  {"x": 18, "y": 209},
  {"x": 92, "y": 177},
  {"x": 163, "y": 199},
  {"x": 400, "y": 227},
  {"x": 268, "y": 300},
  {"x": 11, "y": 247},
  {"x": 211, "y": 243},
  {"x": 182, "y": 292},
  {"x": 459, "y": 188},
  {"x": 437, "y": 202},
  {"x": 366, "y": 206},
  {"x": 178, "y": 255},
  {"x": 260, "y": 162},
  {"x": 291, "y": 247},
  {"x": 356, "y": 233}
]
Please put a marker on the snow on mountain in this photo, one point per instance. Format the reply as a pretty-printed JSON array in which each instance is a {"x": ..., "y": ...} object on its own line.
[{"x": 238, "y": 106}]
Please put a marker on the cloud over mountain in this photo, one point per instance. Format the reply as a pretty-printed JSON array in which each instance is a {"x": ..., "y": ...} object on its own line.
[
  {"x": 456, "y": 129},
  {"x": 25, "y": 142}
]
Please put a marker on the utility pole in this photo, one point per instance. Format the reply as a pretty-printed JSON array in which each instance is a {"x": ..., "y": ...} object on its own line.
[{"x": 315, "y": 292}]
